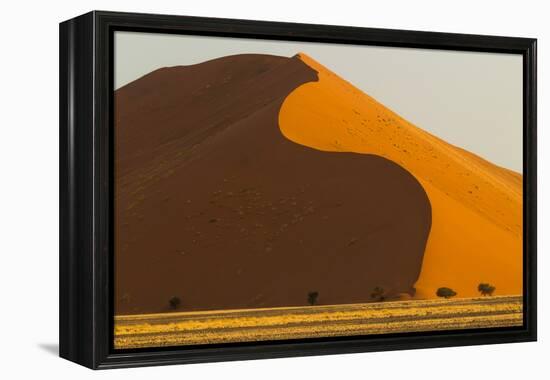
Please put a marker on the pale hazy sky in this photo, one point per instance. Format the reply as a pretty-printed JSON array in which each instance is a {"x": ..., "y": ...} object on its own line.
[{"x": 469, "y": 99}]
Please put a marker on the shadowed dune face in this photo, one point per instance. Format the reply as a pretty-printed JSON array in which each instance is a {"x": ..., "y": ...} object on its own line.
[
  {"x": 476, "y": 233},
  {"x": 215, "y": 206}
]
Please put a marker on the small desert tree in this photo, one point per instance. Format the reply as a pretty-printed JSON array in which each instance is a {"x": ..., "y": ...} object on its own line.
[
  {"x": 312, "y": 298},
  {"x": 445, "y": 292},
  {"x": 378, "y": 294},
  {"x": 486, "y": 289},
  {"x": 174, "y": 302}
]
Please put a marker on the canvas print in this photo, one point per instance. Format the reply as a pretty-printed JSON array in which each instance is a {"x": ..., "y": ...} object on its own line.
[{"x": 273, "y": 190}]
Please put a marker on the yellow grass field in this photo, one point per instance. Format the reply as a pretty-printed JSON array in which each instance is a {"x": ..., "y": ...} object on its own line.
[{"x": 189, "y": 328}]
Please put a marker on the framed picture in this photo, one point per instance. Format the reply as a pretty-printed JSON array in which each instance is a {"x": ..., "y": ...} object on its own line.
[{"x": 237, "y": 189}]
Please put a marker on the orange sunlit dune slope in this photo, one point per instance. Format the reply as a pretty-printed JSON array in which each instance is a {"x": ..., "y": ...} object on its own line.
[{"x": 476, "y": 233}]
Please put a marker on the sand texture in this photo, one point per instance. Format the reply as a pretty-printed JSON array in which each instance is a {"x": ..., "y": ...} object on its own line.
[
  {"x": 476, "y": 233},
  {"x": 215, "y": 206}
]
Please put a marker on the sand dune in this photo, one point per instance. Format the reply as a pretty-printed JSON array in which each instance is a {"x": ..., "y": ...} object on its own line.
[
  {"x": 215, "y": 206},
  {"x": 476, "y": 206}
]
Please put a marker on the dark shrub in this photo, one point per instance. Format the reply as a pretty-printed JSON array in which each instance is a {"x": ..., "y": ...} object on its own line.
[
  {"x": 312, "y": 298},
  {"x": 378, "y": 294},
  {"x": 174, "y": 302},
  {"x": 486, "y": 289},
  {"x": 445, "y": 292}
]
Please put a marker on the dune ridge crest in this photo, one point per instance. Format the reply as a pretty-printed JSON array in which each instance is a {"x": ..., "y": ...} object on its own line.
[
  {"x": 215, "y": 209},
  {"x": 476, "y": 206}
]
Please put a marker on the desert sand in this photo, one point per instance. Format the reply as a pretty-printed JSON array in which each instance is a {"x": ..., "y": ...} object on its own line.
[
  {"x": 216, "y": 208},
  {"x": 476, "y": 233}
]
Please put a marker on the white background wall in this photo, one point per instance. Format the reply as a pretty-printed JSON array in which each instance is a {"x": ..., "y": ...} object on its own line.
[{"x": 29, "y": 188}]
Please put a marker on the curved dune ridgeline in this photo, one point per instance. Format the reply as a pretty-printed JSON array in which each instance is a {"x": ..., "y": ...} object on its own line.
[
  {"x": 214, "y": 206},
  {"x": 476, "y": 231}
]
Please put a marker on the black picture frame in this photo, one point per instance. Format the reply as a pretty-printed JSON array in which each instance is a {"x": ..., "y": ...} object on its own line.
[{"x": 86, "y": 187}]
